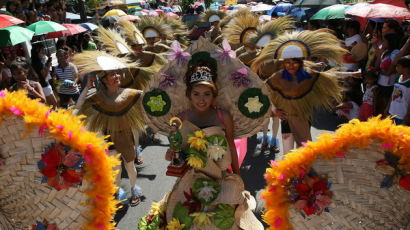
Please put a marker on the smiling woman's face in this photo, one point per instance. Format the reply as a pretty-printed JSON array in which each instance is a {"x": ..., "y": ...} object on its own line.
[
  {"x": 202, "y": 97},
  {"x": 292, "y": 66}
]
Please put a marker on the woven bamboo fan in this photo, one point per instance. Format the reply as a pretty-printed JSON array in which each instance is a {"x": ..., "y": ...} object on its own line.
[
  {"x": 236, "y": 83},
  {"x": 65, "y": 198},
  {"x": 358, "y": 178}
]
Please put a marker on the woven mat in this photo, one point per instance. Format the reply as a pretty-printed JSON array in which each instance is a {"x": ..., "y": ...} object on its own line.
[
  {"x": 358, "y": 201},
  {"x": 23, "y": 199}
]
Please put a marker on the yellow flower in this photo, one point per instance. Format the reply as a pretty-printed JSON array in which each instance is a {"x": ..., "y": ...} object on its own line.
[
  {"x": 202, "y": 219},
  {"x": 199, "y": 134},
  {"x": 197, "y": 143},
  {"x": 195, "y": 162},
  {"x": 156, "y": 209},
  {"x": 175, "y": 225}
]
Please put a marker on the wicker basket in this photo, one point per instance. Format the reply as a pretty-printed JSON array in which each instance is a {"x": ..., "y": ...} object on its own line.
[
  {"x": 358, "y": 201},
  {"x": 23, "y": 198}
]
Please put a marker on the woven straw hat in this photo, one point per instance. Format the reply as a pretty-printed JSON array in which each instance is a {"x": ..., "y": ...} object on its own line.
[
  {"x": 358, "y": 201},
  {"x": 24, "y": 199}
]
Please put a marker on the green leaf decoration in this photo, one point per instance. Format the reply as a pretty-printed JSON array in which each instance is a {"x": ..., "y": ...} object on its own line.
[
  {"x": 142, "y": 224},
  {"x": 153, "y": 225},
  {"x": 182, "y": 214},
  {"x": 218, "y": 140},
  {"x": 224, "y": 216},
  {"x": 156, "y": 102},
  {"x": 206, "y": 190},
  {"x": 198, "y": 154},
  {"x": 253, "y": 103}
]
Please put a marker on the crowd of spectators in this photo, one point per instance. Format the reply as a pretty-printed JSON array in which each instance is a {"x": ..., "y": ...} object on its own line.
[{"x": 31, "y": 12}]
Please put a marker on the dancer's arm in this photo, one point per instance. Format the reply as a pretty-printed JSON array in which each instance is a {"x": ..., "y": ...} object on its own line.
[{"x": 229, "y": 127}]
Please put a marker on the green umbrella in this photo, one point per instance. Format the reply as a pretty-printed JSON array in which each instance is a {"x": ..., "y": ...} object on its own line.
[
  {"x": 45, "y": 27},
  {"x": 330, "y": 12},
  {"x": 13, "y": 35}
]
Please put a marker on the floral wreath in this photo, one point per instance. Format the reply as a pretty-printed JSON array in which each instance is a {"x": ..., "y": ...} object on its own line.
[
  {"x": 156, "y": 102},
  {"x": 394, "y": 138},
  {"x": 253, "y": 103},
  {"x": 69, "y": 130}
]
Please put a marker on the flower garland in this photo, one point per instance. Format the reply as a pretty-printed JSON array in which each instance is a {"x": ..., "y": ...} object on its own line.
[
  {"x": 197, "y": 149},
  {"x": 358, "y": 134},
  {"x": 70, "y": 131}
]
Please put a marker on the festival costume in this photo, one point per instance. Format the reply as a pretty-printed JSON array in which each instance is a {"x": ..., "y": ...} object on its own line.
[
  {"x": 136, "y": 76},
  {"x": 213, "y": 16},
  {"x": 311, "y": 89},
  {"x": 207, "y": 196},
  {"x": 54, "y": 174},
  {"x": 155, "y": 27},
  {"x": 118, "y": 115},
  {"x": 356, "y": 178},
  {"x": 246, "y": 29}
]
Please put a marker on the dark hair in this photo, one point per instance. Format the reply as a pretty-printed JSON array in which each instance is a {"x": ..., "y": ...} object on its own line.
[
  {"x": 394, "y": 25},
  {"x": 190, "y": 85},
  {"x": 274, "y": 14},
  {"x": 404, "y": 61},
  {"x": 393, "y": 41},
  {"x": 373, "y": 74},
  {"x": 352, "y": 24},
  {"x": 18, "y": 65}
]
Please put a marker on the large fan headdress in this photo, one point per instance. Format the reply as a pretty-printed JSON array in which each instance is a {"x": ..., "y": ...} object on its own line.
[{"x": 113, "y": 42}]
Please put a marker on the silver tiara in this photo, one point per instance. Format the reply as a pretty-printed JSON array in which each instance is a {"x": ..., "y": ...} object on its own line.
[{"x": 201, "y": 75}]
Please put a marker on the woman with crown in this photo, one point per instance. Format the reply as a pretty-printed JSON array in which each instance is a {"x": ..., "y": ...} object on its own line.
[
  {"x": 214, "y": 110},
  {"x": 296, "y": 89}
]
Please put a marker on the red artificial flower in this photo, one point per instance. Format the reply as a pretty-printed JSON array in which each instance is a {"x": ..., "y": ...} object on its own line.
[
  {"x": 57, "y": 167},
  {"x": 51, "y": 160},
  {"x": 405, "y": 182},
  {"x": 303, "y": 190},
  {"x": 320, "y": 187},
  {"x": 193, "y": 204},
  {"x": 309, "y": 210},
  {"x": 71, "y": 176}
]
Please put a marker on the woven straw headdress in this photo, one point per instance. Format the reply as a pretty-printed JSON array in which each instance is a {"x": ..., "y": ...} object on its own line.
[
  {"x": 113, "y": 42},
  {"x": 132, "y": 34},
  {"x": 95, "y": 61},
  {"x": 303, "y": 44},
  {"x": 151, "y": 27},
  {"x": 212, "y": 16},
  {"x": 243, "y": 26}
]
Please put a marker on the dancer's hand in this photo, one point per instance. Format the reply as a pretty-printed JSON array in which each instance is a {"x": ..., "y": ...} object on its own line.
[{"x": 281, "y": 114}]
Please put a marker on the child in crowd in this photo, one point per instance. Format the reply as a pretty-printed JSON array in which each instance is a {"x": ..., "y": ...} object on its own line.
[
  {"x": 348, "y": 109},
  {"x": 400, "y": 99},
  {"x": 367, "y": 109},
  {"x": 19, "y": 71}
]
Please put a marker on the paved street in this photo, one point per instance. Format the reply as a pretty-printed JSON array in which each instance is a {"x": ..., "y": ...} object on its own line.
[{"x": 155, "y": 183}]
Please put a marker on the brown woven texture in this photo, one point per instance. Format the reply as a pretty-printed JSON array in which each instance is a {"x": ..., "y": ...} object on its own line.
[
  {"x": 227, "y": 94},
  {"x": 23, "y": 199},
  {"x": 358, "y": 201}
]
